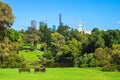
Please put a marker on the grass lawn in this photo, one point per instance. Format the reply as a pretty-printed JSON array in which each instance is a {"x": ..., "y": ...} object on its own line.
[
  {"x": 60, "y": 74},
  {"x": 30, "y": 56}
]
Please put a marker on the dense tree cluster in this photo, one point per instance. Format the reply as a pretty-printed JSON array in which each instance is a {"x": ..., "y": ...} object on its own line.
[{"x": 99, "y": 49}]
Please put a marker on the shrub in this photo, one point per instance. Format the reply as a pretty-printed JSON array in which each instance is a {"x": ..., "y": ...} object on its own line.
[
  {"x": 83, "y": 65},
  {"x": 118, "y": 67},
  {"x": 109, "y": 67},
  {"x": 94, "y": 63},
  {"x": 103, "y": 63}
]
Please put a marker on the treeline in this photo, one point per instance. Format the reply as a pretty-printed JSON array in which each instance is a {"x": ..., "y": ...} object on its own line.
[{"x": 68, "y": 47}]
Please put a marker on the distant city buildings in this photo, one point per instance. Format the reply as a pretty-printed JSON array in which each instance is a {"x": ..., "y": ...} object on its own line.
[
  {"x": 34, "y": 23},
  {"x": 81, "y": 30},
  {"x": 60, "y": 20},
  {"x": 43, "y": 23},
  {"x": 54, "y": 27}
]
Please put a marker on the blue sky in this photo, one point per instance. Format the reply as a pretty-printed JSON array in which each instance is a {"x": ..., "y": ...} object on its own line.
[{"x": 104, "y": 14}]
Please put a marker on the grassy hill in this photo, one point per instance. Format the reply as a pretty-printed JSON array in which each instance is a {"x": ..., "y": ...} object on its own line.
[
  {"x": 31, "y": 55},
  {"x": 60, "y": 74}
]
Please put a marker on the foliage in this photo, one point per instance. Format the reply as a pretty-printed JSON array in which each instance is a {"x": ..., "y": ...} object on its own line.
[
  {"x": 57, "y": 43},
  {"x": 111, "y": 37},
  {"x": 45, "y": 33},
  {"x": 6, "y": 19},
  {"x": 9, "y": 57},
  {"x": 109, "y": 67},
  {"x": 31, "y": 37},
  {"x": 94, "y": 41}
]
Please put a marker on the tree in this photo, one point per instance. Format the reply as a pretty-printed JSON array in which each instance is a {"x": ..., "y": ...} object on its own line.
[
  {"x": 116, "y": 54},
  {"x": 95, "y": 40},
  {"x": 62, "y": 29},
  {"x": 32, "y": 37},
  {"x": 57, "y": 43},
  {"x": 6, "y": 19},
  {"x": 95, "y": 31},
  {"x": 13, "y": 35},
  {"x": 111, "y": 37},
  {"x": 65, "y": 31},
  {"x": 45, "y": 33}
]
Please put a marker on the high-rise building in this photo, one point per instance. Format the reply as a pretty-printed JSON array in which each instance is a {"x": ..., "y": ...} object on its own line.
[
  {"x": 60, "y": 20},
  {"x": 54, "y": 27},
  {"x": 33, "y": 23}
]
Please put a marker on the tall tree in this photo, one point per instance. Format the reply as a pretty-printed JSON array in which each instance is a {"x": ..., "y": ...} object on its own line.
[
  {"x": 33, "y": 38},
  {"x": 57, "y": 43},
  {"x": 94, "y": 41},
  {"x": 6, "y": 19},
  {"x": 45, "y": 33}
]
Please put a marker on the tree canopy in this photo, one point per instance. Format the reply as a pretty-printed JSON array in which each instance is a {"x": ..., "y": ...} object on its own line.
[{"x": 6, "y": 18}]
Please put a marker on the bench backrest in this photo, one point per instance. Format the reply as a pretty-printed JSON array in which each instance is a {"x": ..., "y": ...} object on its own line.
[{"x": 24, "y": 70}]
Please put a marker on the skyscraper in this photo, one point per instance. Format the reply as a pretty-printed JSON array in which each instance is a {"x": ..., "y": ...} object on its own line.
[
  {"x": 33, "y": 23},
  {"x": 60, "y": 20},
  {"x": 54, "y": 27}
]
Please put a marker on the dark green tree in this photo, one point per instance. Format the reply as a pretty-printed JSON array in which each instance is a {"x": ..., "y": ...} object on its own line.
[
  {"x": 95, "y": 40},
  {"x": 111, "y": 37},
  {"x": 95, "y": 31},
  {"x": 45, "y": 33},
  {"x": 65, "y": 31}
]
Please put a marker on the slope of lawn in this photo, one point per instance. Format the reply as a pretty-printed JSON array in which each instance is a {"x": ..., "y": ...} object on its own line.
[
  {"x": 60, "y": 74},
  {"x": 31, "y": 55}
]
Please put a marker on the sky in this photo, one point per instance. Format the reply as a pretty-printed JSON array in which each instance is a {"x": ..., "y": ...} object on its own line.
[{"x": 103, "y": 14}]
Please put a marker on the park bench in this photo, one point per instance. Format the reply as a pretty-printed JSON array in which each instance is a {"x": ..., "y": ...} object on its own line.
[
  {"x": 24, "y": 70},
  {"x": 39, "y": 69}
]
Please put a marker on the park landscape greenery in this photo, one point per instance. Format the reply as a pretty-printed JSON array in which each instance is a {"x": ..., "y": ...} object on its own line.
[{"x": 64, "y": 47}]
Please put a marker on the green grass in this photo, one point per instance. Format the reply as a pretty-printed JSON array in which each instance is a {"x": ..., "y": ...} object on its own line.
[
  {"x": 60, "y": 74},
  {"x": 30, "y": 55}
]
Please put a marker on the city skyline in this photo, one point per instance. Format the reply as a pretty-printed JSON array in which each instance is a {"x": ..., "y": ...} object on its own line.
[{"x": 103, "y": 14}]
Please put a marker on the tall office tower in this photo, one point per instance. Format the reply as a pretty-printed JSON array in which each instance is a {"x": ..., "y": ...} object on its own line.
[
  {"x": 33, "y": 23},
  {"x": 80, "y": 26},
  {"x": 54, "y": 27},
  {"x": 60, "y": 20}
]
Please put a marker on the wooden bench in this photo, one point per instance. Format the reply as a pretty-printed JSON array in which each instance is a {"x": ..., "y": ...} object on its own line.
[
  {"x": 24, "y": 70},
  {"x": 39, "y": 69}
]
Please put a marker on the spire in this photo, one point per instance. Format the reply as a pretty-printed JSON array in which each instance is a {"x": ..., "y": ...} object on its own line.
[{"x": 80, "y": 26}]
